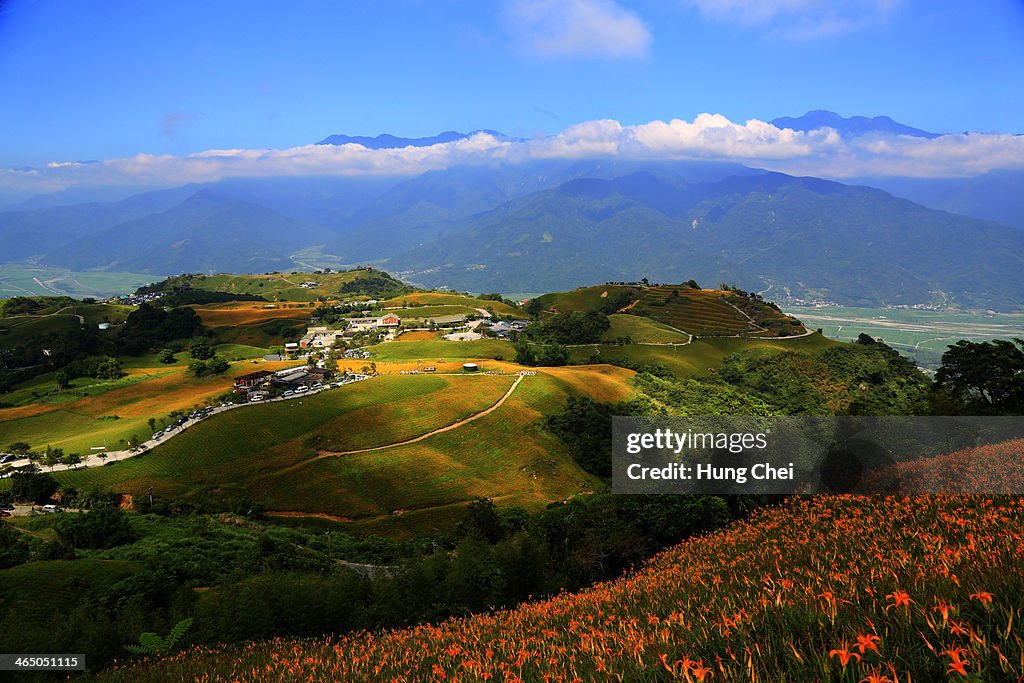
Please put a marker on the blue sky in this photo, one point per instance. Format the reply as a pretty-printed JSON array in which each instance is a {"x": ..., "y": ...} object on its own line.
[{"x": 111, "y": 79}]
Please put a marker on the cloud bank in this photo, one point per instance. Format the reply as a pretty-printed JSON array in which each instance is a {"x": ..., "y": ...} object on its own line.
[{"x": 821, "y": 152}]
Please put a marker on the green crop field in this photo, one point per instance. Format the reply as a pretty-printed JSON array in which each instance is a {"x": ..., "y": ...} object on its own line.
[
  {"x": 440, "y": 349},
  {"x": 922, "y": 336},
  {"x": 642, "y": 330}
]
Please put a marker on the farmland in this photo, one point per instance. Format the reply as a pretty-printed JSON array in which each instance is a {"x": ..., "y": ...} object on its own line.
[
  {"x": 921, "y": 335},
  {"x": 26, "y": 279},
  {"x": 824, "y": 588},
  {"x": 106, "y": 413}
]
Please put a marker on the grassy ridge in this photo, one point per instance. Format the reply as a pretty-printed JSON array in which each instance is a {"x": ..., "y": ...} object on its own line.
[
  {"x": 696, "y": 358},
  {"x": 582, "y": 299},
  {"x": 642, "y": 330},
  {"x": 876, "y": 589},
  {"x": 451, "y": 299}
]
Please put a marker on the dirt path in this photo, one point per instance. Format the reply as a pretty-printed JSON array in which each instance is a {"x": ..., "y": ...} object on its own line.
[{"x": 421, "y": 437}]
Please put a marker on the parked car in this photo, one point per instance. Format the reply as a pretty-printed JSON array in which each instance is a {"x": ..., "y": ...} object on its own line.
[
  {"x": 4, "y": 513},
  {"x": 157, "y": 435},
  {"x": 6, "y": 506},
  {"x": 50, "y": 507}
]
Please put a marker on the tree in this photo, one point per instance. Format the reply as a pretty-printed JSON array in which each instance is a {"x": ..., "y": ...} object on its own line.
[
  {"x": 104, "y": 527},
  {"x": 33, "y": 486},
  {"x": 167, "y": 356},
  {"x": 201, "y": 350},
  {"x": 217, "y": 366},
  {"x": 63, "y": 379},
  {"x": 984, "y": 377},
  {"x": 19, "y": 448},
  {"x": 152, "y": 425},
  {"x": 72, "y": 459}
]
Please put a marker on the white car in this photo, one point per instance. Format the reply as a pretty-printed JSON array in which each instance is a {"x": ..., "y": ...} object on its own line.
[
  {"x": 254, "y": 399},
  {"x": 300, "y": 389}
]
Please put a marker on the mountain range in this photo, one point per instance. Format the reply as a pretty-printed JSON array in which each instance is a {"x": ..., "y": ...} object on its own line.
[{"x": 554, "y": 224}]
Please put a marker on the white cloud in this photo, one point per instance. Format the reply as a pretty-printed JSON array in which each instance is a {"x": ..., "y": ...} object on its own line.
[
  {"x": 799, "y": 19},
  {"x": 821, "y": 152},
  {"x": 576, "y": 28}
]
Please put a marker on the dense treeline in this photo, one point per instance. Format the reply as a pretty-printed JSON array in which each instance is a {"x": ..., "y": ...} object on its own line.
[
  {"x": 148, "y": 327},
  {"x": 569, "y": 328}
]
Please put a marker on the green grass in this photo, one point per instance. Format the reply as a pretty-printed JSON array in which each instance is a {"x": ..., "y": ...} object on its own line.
[
  {"x": 439, "y": 350},
  {"x": 20, "y": 328},
  {"x": 422, "y": 312},
  {"x": 240, "y": 351},
  {"x": 642, "y": 330}
]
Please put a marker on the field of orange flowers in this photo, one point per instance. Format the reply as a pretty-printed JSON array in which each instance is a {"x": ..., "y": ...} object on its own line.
[{"x": 882, "y": 589}]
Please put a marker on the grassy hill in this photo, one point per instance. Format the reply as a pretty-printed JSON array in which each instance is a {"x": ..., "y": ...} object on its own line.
[
  {"x": 470, "y": 304},
  {"x": 349, "y": 284},
  {"x": 270, "y": 452},
  {"x": 700, "y": 312},
  {"x": 843, "y": 588}
]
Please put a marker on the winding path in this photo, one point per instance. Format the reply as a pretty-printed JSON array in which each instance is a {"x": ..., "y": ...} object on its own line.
[{"x": 421, "y": 437}]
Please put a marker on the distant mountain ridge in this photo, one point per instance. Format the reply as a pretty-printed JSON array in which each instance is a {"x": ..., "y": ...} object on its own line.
[
  {"x": 388, "y": 141},
  {"x": 854, "y": 125}
]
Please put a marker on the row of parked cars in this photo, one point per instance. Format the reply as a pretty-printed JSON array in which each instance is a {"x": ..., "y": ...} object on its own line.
[{"x": 194, "y": 415}]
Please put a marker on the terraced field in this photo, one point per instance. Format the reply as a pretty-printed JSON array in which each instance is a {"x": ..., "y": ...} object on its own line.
[{"x": 697, "y": 311}]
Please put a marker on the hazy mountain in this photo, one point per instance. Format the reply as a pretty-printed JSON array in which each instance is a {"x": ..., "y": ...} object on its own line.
[
  {"x": 28, "y": 233},
  {"x": 995, "y": 196},
  {"x": 854, "y": 125},
  {"x": 206, "y": 233},
  {"x": 387, "y": 141},
  {"x": 804, "y": 236},
  {"x": 439, "y": 202}
]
